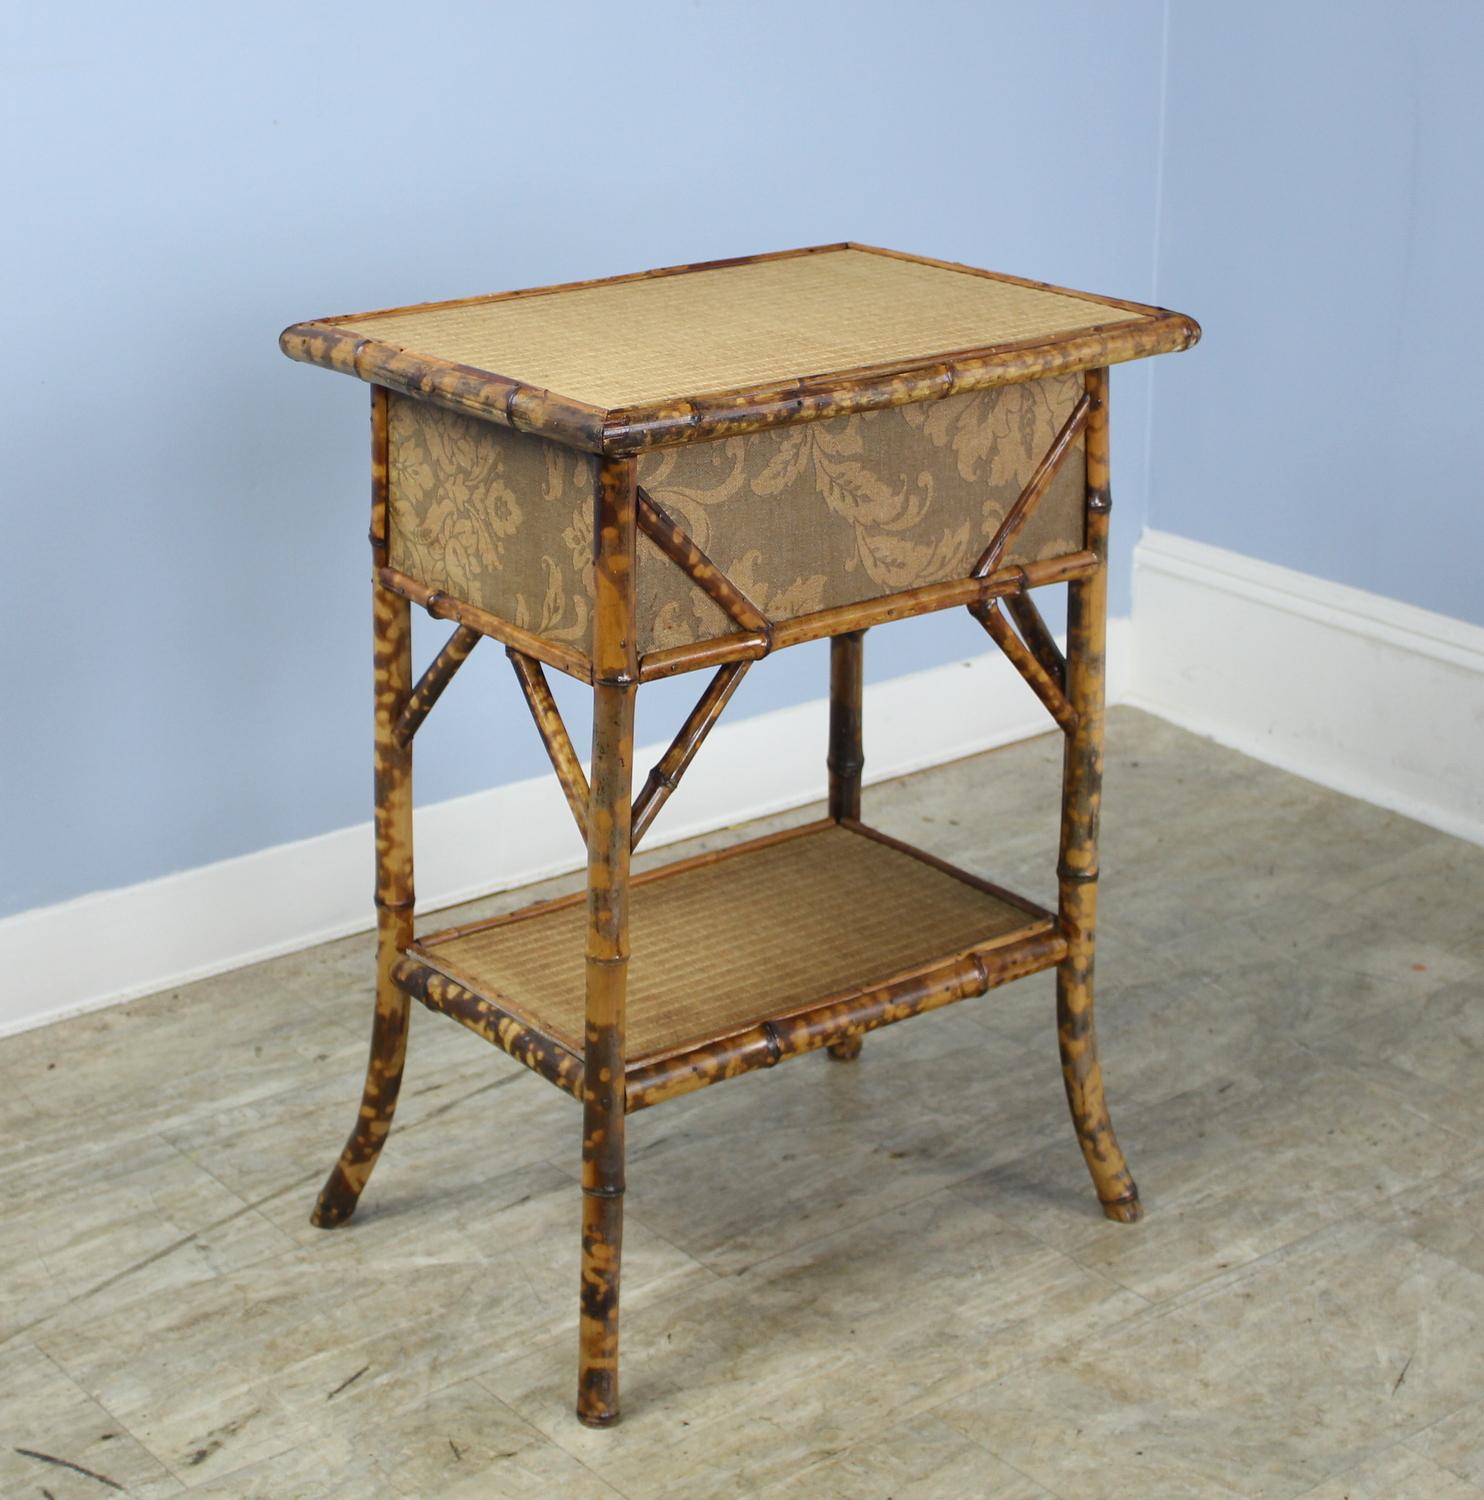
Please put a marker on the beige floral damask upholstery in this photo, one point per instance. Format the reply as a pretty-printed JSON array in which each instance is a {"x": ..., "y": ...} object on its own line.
[
  {"x": 801, "y": 518},
  {"x": 493, "y": 517}
]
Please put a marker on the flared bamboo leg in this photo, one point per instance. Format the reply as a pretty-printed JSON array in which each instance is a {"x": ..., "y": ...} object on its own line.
[
  {"x": 608, "y": 844},
  {"x": 392, "y": 625},
  {"x": 846, "y": 757},
  {"x": 1077, "y": 867}
]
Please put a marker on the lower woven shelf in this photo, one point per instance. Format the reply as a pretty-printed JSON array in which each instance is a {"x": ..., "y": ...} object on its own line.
[{"x": 740, "y": 958}]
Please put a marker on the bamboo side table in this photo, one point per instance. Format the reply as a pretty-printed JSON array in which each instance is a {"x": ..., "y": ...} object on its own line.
[{"x": 692, "y": 468}]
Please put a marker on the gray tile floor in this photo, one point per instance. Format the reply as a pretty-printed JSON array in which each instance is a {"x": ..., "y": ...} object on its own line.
[{"x": 882, "y": 1279}]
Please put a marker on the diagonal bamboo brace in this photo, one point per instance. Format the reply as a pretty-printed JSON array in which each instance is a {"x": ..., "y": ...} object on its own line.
[
  {"x": 430, "y": 685},
  {"x": 676, "y": 543},
  {"x": 1037, "y": 678},
  {"x": 1038, "y": 637},
  {"x": 553, "y": 733},
  {"x": 1036, "y": 486},
  {"x": 674, "y": 763}
]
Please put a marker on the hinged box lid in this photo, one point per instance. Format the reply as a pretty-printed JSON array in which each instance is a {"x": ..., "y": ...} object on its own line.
[{"x": 696, "y": 352}]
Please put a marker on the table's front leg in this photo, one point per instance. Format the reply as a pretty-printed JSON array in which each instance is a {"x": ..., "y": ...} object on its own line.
[
  {"x": 1077, "y": 867},
  {"x": 608, "y": 840}
]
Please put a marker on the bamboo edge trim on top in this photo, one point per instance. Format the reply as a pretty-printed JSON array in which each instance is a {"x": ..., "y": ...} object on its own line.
[
  {"x": 1127, "y": 331},
  {"x": 625, "y": 432}
]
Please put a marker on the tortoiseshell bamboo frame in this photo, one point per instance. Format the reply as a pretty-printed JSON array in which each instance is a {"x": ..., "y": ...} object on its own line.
[
  {"x": 623, "y": 432},
  {"x": 608, "y": 1082}
]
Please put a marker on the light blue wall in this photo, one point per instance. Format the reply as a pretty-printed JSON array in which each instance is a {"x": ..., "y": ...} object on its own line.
[
  {"x": 1323, "y": 217},
  {"x": 184, "y": 568}
]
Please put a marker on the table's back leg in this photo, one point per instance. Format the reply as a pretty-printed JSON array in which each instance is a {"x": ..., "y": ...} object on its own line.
[
  {"x": 615, "y": 674},
  {"x": 392, "y": 625},
  {"x": 846, "y": 757},
  {"x": 1077, "y": 867}
]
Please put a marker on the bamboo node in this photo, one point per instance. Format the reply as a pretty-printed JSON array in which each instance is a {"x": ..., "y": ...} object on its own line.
[
  {"x": 775, "y": 1043},
  {"x": 1077, "y": 877},
  {"x": 1100, "y": 500}
]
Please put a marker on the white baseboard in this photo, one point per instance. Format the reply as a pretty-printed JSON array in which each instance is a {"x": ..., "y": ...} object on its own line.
[
  {"x": 114, "y": 945},
  {"x": 1355, "y": 691}
]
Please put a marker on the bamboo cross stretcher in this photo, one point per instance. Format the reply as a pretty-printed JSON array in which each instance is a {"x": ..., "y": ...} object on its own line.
[{"x": 740, "y": 958}]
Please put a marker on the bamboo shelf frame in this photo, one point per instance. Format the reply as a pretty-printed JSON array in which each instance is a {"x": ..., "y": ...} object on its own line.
[
  {"x": 644, "y": 988},
  {"x": 835, "y": 929}
]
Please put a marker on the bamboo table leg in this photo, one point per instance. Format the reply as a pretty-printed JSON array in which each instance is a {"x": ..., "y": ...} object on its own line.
[
  {"x": 846, "y": 757},
  {"x": 1077, "y": 868},
  {"x": 615, "y": 682},
  {"x": 392, "y": 636}
]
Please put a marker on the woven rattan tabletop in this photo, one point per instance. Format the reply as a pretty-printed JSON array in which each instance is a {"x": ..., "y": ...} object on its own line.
[
  {"x": 669, "y": 337},
  {"x": 836, "y": 323}
]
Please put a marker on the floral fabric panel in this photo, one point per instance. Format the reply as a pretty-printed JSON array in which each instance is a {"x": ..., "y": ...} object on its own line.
[
  {"x": 801, "y": 518},
  {"x": 806, "y": 517},
  {"x": 496, "y": 518}
]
